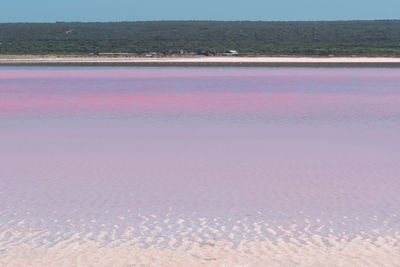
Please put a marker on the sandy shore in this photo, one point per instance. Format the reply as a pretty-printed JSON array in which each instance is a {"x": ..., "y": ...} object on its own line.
[
  {"x": 314, "y": 251},
  {"x": 202, "y": 61}
]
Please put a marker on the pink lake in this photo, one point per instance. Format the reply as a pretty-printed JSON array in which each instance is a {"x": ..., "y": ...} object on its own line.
[{"x": 190, "y": 165}]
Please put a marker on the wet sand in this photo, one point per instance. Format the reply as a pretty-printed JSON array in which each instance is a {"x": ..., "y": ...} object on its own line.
[{"x": 314, "y": 251}]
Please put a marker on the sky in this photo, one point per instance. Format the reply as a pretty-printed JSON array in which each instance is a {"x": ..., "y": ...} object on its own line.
[{"x": 140, "y": 10}]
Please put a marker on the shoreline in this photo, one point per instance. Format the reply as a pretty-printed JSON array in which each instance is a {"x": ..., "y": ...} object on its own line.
[{"x": 54, "y": 60}]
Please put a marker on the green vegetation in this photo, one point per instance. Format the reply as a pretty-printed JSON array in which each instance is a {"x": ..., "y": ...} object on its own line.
[{"x": 340, "y": 38}]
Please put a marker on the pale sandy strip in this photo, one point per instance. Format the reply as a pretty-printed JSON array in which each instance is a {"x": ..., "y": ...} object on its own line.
[{"x": 83, "y": 60}]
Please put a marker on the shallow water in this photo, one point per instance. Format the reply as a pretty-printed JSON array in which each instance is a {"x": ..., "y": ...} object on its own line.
[{"x": 300, "y": 163}]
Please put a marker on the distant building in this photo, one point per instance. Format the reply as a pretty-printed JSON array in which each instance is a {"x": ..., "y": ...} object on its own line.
[
  {"x": 151, "y": 54},
  {"x": 210, "y": 52},
  {"x": 230, "y": 53},
  {"x": 113, "y": 54},
  {"x": 172, "y": 52}
]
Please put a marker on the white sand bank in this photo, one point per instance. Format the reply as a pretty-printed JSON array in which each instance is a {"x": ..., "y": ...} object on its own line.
[{"x": 7, "y": 60}]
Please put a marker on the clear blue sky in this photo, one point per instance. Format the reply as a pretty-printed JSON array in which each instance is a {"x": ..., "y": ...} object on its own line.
[{"x": 132, "y": 10}]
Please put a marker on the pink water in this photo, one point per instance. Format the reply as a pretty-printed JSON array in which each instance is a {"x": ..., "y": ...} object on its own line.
[{"x": 199, "y": 155}]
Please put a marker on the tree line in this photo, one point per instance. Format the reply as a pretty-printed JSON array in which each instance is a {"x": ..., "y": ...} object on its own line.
[{"x": 321, "y": 38}]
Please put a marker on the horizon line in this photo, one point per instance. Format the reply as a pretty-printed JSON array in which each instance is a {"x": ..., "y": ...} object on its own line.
[{"x": 198, "y": 20}]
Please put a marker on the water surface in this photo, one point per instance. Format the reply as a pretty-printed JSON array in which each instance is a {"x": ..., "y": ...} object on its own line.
[{"x": 300, "y": 163}]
